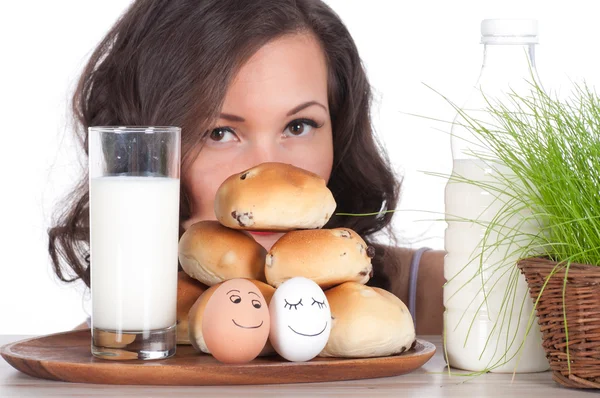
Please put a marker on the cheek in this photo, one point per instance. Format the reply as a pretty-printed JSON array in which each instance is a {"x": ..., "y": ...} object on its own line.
[
  {"x": 322, "y": 159},
  {"x": 315, "y": 155},
  {"x": 204, "y": 178}
]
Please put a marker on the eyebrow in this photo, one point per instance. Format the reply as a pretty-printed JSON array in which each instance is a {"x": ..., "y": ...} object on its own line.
[
  {"x": 254, "y": 294},
  {"x": 304, "y": 106},
  {"x": 232, "y": 118},
  {"x": 236, "y": 118},
  {"x": 234, "y": 290}
]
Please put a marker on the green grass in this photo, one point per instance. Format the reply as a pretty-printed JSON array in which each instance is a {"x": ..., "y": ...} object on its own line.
[{"x": 553, "y": 149}]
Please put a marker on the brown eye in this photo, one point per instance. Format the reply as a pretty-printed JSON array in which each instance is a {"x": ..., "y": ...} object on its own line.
[
  {"x": 299, "y": 127},
  {"x": 296, "y": 128},
  {"x": 235, "y": 298},
  {"x": 217, "y": 134},
  {"x": 256, "y": 304},
  {"x": 222, "y": 134}
]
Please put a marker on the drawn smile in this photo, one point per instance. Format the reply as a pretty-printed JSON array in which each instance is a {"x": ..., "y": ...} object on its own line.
[
  {"x": 247, "y": 327},
  {"x": 308, "y": 335}
]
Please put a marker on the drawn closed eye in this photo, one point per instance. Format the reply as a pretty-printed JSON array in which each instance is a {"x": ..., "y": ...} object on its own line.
[
  {"x": 321, "y": 304},
  {"x": 292, "y": 305}
]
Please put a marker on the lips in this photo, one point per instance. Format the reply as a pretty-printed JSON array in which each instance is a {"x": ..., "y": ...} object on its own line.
[{"x": 261, "y": 233}]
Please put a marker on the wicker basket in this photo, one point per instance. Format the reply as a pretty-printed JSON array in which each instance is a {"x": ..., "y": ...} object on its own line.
[{"x": 582, "y": 304}]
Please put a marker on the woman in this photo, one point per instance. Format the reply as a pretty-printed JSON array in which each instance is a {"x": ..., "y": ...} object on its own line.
[{"x": 248, "y": 82}]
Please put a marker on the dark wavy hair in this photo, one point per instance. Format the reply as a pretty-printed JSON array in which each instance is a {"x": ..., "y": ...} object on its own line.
[{"x": 170, "y": 63}]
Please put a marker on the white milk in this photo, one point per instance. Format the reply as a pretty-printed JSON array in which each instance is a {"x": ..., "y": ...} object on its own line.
[
  {"x": 463, "y": 244},
  {"x": 134, "y": 236}
]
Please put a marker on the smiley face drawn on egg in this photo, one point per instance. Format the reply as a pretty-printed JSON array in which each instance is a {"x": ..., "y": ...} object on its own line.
[
  {"x": 320, "y": 304},
  {"x": 300, "y": 319},
  {"x": 236, "y": 322},
  {"x": 256, "y": 301}
]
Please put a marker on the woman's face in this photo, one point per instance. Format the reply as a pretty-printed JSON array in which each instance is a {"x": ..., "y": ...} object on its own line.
[{"x": 275, "y": 110}]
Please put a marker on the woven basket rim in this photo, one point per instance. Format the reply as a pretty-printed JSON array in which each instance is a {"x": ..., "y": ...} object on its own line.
[{"x": 547, "y": 261}]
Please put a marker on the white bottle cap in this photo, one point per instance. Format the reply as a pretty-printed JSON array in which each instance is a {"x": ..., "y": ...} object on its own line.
[{"x": 509, "y": 31}]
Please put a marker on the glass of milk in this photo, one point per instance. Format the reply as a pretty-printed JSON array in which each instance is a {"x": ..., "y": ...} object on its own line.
[{"x": 134, "y": 234}]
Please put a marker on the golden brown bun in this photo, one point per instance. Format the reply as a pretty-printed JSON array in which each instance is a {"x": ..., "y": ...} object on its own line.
[
  {"x": 188, "y": 291},
  {"x": 113, "y": 340},
  {"x": 274, "y": 197},
  {"x": 195, "y": 317},
  {"x": 212, "y": 253},
  {"x": 197, "y": 311},
  {"x": 327, "y": 256},
  {"x": 367, "y": 322}
]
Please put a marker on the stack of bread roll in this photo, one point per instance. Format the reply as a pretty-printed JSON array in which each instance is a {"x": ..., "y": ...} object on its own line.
[{"x": 366, "y": 321}]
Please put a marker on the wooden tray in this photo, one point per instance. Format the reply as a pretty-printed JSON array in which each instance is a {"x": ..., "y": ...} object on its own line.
[{"x": 67, "y": 357}]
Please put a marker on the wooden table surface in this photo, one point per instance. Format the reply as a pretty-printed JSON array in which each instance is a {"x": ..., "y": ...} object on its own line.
[{"x": 432, "y": 380}]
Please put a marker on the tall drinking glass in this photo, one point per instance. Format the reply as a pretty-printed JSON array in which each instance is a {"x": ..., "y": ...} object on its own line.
[{"x": 134, "y": 232}]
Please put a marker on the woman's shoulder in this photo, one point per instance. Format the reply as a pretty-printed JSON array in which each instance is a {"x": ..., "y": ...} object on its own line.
[{"x": 401, "y": 257}]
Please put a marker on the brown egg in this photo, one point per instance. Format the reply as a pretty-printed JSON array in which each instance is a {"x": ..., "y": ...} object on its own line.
[
  {"x": 236, "y": 321},
  {"x": 267, "y": 292}
]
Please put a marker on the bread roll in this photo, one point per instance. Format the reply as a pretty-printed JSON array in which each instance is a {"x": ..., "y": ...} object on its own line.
[
  {"x": 212, "y": 253},
  {"x": 197, "y": 311},
  {"x": 327, "y": 256},
  {"x": 113, "y": 340},
  {"x": 188, "y": 291},
  {"x": 274, "y": 197},
  {"x": 367, "y": 322}
]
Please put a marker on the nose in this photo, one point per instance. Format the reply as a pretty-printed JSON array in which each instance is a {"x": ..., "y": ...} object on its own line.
[{"x": 264, "y": 151}]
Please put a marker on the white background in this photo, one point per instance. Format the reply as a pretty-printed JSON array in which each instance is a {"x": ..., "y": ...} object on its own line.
[{"x": 404, "y": 45}]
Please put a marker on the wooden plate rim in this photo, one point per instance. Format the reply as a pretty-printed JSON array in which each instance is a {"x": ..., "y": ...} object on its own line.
[{"x": 418, "y": 356}]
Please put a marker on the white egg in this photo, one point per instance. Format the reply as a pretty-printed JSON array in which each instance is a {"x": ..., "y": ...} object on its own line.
[{"x": 300, "y": 319}]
